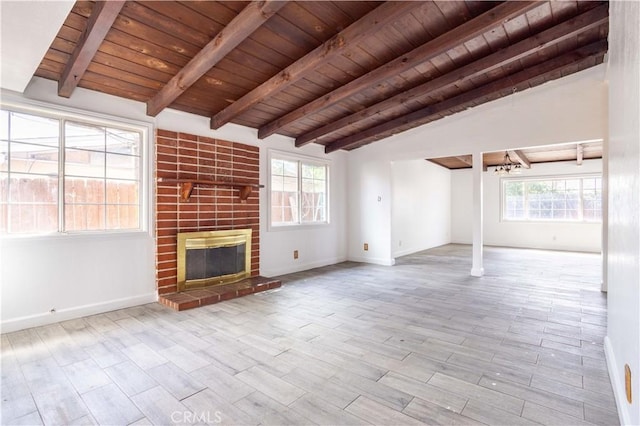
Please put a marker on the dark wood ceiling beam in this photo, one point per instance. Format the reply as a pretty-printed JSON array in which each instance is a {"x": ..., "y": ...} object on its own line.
[
  {"x": 539, "y": 72},
  {"x": 521, "y": 158},
  {"x": 240, "y": 27},
  {"x": 384, "y": 14},
  {"x": 557, "y": 34},
  {"x": 457, "y": 36},
  {"x": 103, "y": 15}
]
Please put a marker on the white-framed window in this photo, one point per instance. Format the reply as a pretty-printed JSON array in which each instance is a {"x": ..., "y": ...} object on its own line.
[
  {"x": 298, "y": 190},
  {"x": 564, "y": 199},
  {"x": 62, "y": 172}
]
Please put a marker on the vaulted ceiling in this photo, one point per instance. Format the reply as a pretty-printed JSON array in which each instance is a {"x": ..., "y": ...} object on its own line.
[{"x": 339, "y": 73}]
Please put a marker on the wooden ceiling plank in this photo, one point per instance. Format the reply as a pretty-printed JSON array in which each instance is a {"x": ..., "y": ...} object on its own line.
[
  {"x": 503, "y": 57},
  {"x": 550, "y": 67},
  {"x": 349, "y": 37},
  {"x": 520, "y": 157},
  {"x": 241, "y": 27},
  {"x": 579, "y": 154},
  {"x": 431, "y": 49},
  {"x": 102, "y": 17}
]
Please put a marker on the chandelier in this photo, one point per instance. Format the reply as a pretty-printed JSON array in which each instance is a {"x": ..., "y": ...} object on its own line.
[{"x": 508, "y": 167}]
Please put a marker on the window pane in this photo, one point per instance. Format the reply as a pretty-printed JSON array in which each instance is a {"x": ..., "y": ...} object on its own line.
[
  {"x": 277, "y": 167},
  {"x": 4, "y": 125},
  {"x": 290, "y": 206},
  {"x": 122, "y": 216},
  {"x": 84, "y": 136},
  {"x": 33, "y": 159},
  {"x": 122, "y": 192},
  {"x": 513, "y": 200},
  {"x": 33, "y": 218},
  {"x": 123, "y": 142},
  {"x": 290, "y": 184},
  {"x": 307, "y": 171},
  {"x": 307, "y": 185},
  {"x": 84, "y": 217},
  {"x": 4, "y": 156},
  {"x": 556, "y": 199},
  {"x": 33, "y": 129},
  {"x": 122, "y": 166},
  {"x": 84, "y": 163},
  {"x": 298, "y": 192},
  {"x": 33, "y": 204},
  {"x": 277, "y": 183},
  {"x": 313, "y": 193},
  {"x": 290, "y": 168},
  {"x": 4, "y": 198},
  {"x": 84, "y": 191}
]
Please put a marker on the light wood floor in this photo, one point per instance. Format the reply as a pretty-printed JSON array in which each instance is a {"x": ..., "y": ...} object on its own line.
[{"x": 420, "y": 342}]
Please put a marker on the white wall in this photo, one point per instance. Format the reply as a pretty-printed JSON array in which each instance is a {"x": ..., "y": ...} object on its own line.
[
  {"x": 622, "y": 344},
  {"x": 74, "y": 290},
  {"x": 420, "y": 206},
  {"x": 534, "y": 117},
  {"x": 369, "y": 211},
  {"x": 462, "y": 206},
  {"x": 541, "y": 235},
  {"x": 317, "y": 245},
  {"x": 75, "y": 274}
]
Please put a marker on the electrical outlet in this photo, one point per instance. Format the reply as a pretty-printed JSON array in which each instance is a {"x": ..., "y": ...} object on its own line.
[
  {"x": 366, "y": 246},
  {"x": 295, "y": 254}
]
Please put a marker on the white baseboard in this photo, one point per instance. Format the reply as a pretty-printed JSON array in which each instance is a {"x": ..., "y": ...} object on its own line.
[
  {"x": 20, "y": 323},
  {"x": 614, "y": 376},
  {"x": 408, "y": 251},
  {"x": 298, "y": 267},
  {"x": 374, "y": 260}
]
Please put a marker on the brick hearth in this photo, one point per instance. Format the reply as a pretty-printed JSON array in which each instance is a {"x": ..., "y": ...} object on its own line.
[{"x": 209, "y": 295}]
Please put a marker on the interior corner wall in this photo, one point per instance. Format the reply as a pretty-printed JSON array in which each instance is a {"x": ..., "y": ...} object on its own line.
[
  {"x": 570, "y": 109},
  {"x": 51, "y": 278},
  {"x": 420, "y": 206},
  {"x": 90, "y": 274},
  {"x": 622, "y": 344},
  {"x": 584, "y": 236}
]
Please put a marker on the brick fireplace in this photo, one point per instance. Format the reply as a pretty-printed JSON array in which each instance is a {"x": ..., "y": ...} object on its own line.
[{"x": 183, "y": 157}]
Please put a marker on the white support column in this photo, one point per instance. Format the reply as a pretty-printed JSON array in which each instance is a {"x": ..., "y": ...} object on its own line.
[{"x": 477, "y": 269}]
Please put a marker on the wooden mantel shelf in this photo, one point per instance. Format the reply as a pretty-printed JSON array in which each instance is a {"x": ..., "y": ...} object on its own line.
[{"x": 187, "y": 185}]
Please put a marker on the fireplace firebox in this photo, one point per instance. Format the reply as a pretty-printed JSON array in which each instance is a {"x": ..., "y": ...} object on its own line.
[{"x": 213, "y": 258}]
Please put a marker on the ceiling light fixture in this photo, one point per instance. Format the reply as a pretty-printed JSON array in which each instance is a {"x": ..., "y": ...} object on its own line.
[{"x": 508, "y": 167}]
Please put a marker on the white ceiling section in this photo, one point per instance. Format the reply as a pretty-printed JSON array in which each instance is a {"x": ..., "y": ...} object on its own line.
[{"x": 27, "y": 29}]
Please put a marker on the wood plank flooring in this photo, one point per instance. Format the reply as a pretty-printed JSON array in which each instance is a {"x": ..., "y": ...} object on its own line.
[{"x": 419, "y": 342}]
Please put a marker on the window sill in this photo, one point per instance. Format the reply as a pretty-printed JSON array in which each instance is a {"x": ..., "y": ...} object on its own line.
[
  {"x": 96, "y": 235},
  {"x": 304, "y": 227},
  {"x": 546, "y": 222}
]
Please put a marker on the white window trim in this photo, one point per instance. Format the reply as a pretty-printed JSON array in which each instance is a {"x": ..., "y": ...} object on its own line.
[
  {"x": 284, "y": 155},
  {"x": 505, "y": 180},
  {"x": 14, "y": 102}
]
